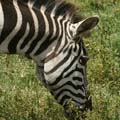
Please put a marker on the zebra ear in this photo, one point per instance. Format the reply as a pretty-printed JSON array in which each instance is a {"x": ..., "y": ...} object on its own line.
[{"x": 86, "y": 24}]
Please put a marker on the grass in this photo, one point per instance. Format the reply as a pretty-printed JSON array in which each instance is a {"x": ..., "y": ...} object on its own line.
[{"x": 23, "y": 97}]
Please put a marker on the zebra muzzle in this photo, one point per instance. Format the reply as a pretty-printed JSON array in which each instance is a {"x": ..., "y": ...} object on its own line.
[
  {"x": 88, "y": 103},
  {"x": 72, "y": 114}
]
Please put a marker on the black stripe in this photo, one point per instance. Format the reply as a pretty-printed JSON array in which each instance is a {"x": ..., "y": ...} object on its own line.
[
  {"x": 13, "y": 43},
  {"x": 65, "y": 97},
  {"x": 77, "y": 78},
  {"x": 62, "y": 32},
  {"x": 77, "y": 87},
  {"x": 41, "y": 31},
  {"x": 39, "y": 3},
  {"x": 23, "y": 1},
  {"x": 27, "y": 18},
  {"x": 84, "y": 48},
  {"x": 61, "y": 50},
  {"x": 78, "y": 95},
  {"x": 49, "y": 41},
  {"x": 66, "y": 69},
  {"x": 67, "y": 47},
  {"x": 75, "y": 70},
  {"x": 63, "y": 9},
  {"x": 10, "y": 19},
  {"x": 68, "y": 97},
  {"x": 60, "y": 63}
]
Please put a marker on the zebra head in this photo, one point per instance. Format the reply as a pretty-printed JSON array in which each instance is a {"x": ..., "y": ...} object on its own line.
[{"x": 65, "y": 74}]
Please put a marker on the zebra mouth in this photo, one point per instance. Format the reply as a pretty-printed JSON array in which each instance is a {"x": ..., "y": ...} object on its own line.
[
  {"x": 88, "y": 104},
  {"x": 72, "y": 113}
]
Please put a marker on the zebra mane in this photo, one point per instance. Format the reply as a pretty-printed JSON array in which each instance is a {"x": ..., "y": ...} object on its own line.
[{"x": 62, "y": 8}]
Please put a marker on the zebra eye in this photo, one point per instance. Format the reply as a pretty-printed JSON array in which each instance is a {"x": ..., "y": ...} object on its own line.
[{"x": 83, "y": 60}]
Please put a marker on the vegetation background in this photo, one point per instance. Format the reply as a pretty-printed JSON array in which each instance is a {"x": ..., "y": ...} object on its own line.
[{"x": 23, "y": 97}]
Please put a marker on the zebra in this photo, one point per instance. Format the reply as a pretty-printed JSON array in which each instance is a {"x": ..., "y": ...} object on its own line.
[{"x": 50, "y": 33}]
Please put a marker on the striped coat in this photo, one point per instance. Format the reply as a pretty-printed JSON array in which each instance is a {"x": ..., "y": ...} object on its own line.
[{"x": 47, "y": 32}]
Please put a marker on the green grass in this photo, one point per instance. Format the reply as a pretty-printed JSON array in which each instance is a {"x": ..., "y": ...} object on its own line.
[{"x": 23, "y": 97}]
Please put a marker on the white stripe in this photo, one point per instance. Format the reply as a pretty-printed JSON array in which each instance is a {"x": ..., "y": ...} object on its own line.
[
  {"x": 63, "y": 36},
  {"x": 51, "y": 47},
  {"x": 36, "y": 25},
  {"x": 70, "y": 78},
  {"x": 46, "y": 30},
  {"x": 73, "y": 66},
  {"x": 70, "y": 88},
  {"x": 70, "y": 95},
  {"x": 52, "y": 63},
  {"x": 6, "y": 42},
  {"x": 53, "y": 21},
  {"x": 19, "y": 51},
  {"x": 1, "y": 19},
  {"x": 68, "y": 30},
  {"x": 46, "y": 52}
]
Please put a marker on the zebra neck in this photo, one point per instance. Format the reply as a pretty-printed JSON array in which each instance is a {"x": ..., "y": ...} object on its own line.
[
  {"x": 25, "y": 30},
  {"x": 20, "y": 27}
]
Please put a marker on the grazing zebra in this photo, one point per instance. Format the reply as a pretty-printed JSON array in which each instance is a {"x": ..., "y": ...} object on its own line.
[{"x": 47, "y": 32}]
